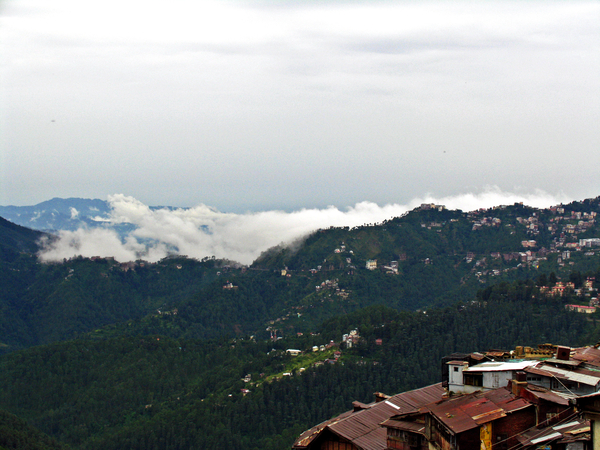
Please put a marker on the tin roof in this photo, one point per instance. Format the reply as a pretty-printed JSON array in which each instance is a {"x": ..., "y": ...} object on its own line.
[
  {"x": 501, "y": 366},
  {"x": 548, "y": 395},
  {"x": 587, "y": 377},
  {"x": 564, "y": 362},
  {"x": 589, "y": 355},
  {"x": 362, "y": 427},
  {"x": 407, "y": 425},
  {"x": 575, "y": 429},
  {"x": 463, "y": 413}
]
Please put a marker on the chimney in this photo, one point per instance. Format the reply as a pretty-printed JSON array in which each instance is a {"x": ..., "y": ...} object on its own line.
[
  {"x": 379, "y": 397},
  {"x": 358, "y": 406},
  {"x": 563, "y": 353},
  {"x": 519, "y": 383}
]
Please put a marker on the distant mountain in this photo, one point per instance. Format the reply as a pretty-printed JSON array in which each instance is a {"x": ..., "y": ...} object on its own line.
[{"x": 58, "y": 214}]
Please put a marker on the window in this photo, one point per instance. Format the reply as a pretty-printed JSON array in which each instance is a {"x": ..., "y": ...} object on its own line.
[{"x": 473, "y": 379}]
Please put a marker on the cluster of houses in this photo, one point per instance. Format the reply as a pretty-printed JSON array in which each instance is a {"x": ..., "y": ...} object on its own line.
[{"x": 528, "y": 398}]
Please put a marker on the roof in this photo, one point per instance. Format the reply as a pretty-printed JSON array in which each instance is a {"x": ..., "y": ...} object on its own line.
[
  {"x": 577, "y": 375},
  {"x": 463, "y": 413},
  {"x": 572, "y": 430},
  {"x": 399, "y": 424},
  {"x": 564, "y": 362},
  {"x": 362, "y": 427},
  {"x": 500, "y": 366},
  {"x": 590, "y": 355},
  {"x": 548, "y": 395}
]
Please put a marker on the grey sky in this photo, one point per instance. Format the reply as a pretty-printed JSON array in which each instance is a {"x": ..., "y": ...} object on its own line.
[{"x": 260, "y": 105}]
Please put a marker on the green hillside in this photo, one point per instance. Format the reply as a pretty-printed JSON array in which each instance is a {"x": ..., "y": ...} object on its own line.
[
  {"x": 15, "y": 238},
  {"x": 154, "y": 392},
  {"x": 17, "y": 434},
  {"x": 189, "y": 354}
]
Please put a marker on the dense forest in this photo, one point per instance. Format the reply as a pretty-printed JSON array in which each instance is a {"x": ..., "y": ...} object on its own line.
[{"x": 183, "y": 353}]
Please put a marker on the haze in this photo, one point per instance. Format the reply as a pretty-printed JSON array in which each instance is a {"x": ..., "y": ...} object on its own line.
[{"x": 251, "y": 106}]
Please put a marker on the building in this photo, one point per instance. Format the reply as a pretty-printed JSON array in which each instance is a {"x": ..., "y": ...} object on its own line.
[
  {"x": 483, "y": 377},
  {"x": 359, "y": 428},
  {"x": 545, "y": 398}
]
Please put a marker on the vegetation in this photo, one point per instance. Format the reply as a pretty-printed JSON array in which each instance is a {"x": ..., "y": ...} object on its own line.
[{"x": 193, "y": 354}]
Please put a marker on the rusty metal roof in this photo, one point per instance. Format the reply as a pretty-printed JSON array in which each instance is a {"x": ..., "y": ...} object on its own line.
[
  {"x": 548, "y": 395},
  {"x": 576, "y": 429},
  {"x": 463, "y": 413},
  {"x": 584, "y": 376},
  {"x": 399, "y": 424},
  {"x": 589, "y": 355},
  {"x": 363, "y": 428}
]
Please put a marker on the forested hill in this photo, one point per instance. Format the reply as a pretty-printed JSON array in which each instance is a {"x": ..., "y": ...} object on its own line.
[
  {"x": 434, "y": 234},
  {"x": 15, "y": 238},
  {"x": 187, "y": 353},
  {"x": 429, "y": 257},
  {"x": 155, "y": 393},
  {"x": 17, "y": 434}
]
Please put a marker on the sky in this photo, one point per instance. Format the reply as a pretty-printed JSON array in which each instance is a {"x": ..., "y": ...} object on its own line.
[{"x": 257, "y": 106}]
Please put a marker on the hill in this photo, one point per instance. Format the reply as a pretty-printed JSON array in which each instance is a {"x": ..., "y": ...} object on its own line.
[
  {"x": 16, "y": 239},
  {"x": 155, "y": 392},
  {"x": 187, "y": 353},
  {"x": 17, "y": 434},
  {"x": 428, "y": 257}
]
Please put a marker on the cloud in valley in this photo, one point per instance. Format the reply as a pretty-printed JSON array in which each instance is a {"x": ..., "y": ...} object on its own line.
[{"x": 203, "y": 231}]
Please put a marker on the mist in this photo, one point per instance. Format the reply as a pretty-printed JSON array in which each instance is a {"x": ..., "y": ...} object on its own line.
[{"x": 202, "y": 231}]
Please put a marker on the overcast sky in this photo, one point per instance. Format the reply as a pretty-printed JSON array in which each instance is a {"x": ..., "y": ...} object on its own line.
[{"x": 260, "y": 105}]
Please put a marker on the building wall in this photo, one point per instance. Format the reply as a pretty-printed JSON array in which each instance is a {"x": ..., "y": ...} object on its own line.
[
  {"x": 512, "y": 425},
  {"x": 331, "y": 441},
  {"x": 469, "y": 440},
  {"x": 403, "y": 440},
  {"x": 332, "y": 445}
]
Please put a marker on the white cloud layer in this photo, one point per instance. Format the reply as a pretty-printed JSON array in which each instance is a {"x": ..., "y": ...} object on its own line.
[{"x": 203, "y": 231}]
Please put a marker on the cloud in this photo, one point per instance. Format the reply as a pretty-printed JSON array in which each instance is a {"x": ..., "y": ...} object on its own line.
[{"x": 203, "y": 231}]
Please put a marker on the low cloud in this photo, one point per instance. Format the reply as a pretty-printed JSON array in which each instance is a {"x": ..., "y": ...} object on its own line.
[{"x": 203, "y": 231}]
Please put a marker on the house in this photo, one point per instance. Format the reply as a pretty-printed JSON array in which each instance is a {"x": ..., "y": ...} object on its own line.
[
  {"x": 476, "y": 420},
  {"x": 581, "y": 308},
  {"x": 507, "y": 417},
  {"x": 572, "y": 435},
  {"x": 482, "y": 377},
  {"x": 525, "y": 403},
  {"x": 359, "y": 428}
]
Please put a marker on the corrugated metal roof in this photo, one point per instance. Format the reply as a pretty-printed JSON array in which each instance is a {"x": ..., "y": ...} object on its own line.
[
  {"x": 590, "y": 355},
  {"x": 570, "y": 362},
  {"x": 573, "y": 430},
  {"x": 547, "y": 395},
  {"x": 398, "y": 424},
  {"x": 469, "y": 411},
  {"x": 500, "y": 366},
  {"x": 363, "y": 427},
  {"x": 576, "y": 375}
]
